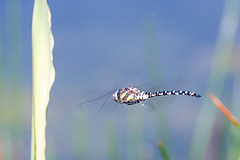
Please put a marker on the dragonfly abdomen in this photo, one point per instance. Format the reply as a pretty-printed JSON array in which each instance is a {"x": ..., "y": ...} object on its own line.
[{"x": 173, "y": 92}]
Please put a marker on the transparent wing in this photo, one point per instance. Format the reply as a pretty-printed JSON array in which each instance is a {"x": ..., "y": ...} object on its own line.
[{"x": 106, "y": 95}]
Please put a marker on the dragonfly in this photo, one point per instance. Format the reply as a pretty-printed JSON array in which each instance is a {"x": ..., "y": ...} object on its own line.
[{"x": 131, "y": 95}]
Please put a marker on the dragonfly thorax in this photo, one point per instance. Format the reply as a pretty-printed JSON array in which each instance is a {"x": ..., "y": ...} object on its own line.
[{"x": 129, "y": 95}]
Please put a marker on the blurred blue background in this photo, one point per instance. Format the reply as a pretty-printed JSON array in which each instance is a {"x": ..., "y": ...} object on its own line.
[{"x": 105, "y": 45}]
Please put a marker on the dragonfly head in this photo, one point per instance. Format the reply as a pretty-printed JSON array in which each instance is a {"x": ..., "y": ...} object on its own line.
[{"x": 116, "y": 95}]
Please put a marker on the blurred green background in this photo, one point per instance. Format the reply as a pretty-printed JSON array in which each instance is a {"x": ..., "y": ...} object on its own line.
[{"x": 105, "y": 45}]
